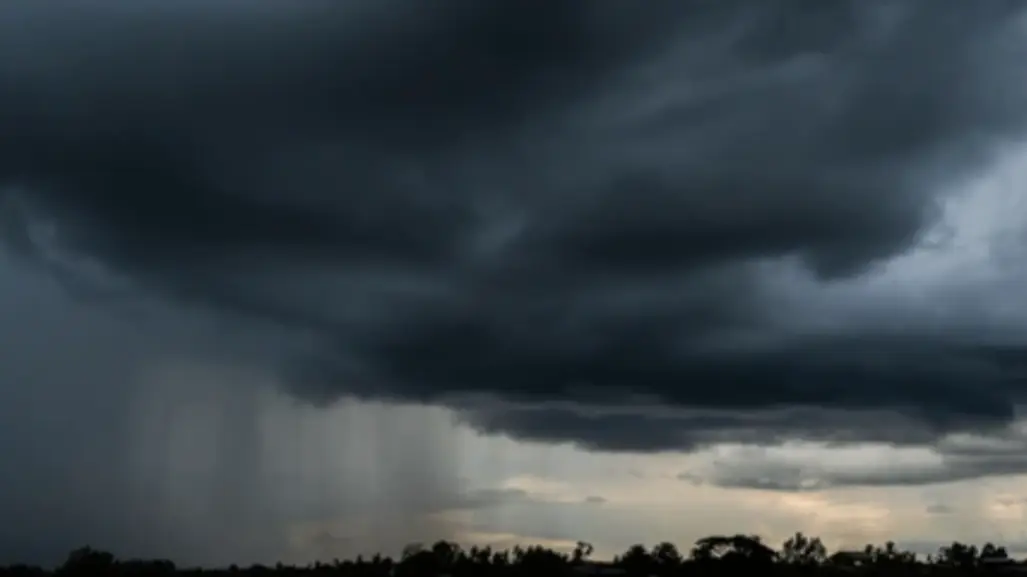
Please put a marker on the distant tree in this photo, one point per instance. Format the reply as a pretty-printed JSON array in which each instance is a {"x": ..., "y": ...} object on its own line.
[
  {"x": 802, "y": 550},
  {"x": 749, "y": 548},
  {"x": 479, "y": 556},
  {"x": 993, "y": 552},
  {"x": 889, "y": 555},
  {"x": 636, "y": 560},
  {"x": 446, "y": 554},
  {"x": 957, "y": 555},
  {"x": 540, "y": 560},
  {"x": 87, "y": 561},
  {"x": 666, "y": 555},
  {"x": 582, "y": 551},
  {"x": 416, "y": 560}
]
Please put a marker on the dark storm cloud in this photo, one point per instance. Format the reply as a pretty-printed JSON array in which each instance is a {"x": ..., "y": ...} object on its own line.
[
  {"x": 537, "y": 201},
  {"x": 646, "y": 427}
]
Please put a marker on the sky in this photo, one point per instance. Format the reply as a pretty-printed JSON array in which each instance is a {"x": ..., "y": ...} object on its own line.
[{"x": 301, "y": 280}]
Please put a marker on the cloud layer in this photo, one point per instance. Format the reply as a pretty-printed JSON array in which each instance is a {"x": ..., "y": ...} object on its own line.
[{"x": 644, "y": 229}]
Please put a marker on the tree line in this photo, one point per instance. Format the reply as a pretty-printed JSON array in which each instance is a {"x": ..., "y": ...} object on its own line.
[{"x": 799, "y": 554}]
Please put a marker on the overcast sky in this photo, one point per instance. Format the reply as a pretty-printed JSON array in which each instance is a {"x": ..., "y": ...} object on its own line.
[{"x": 296, "y": 280}]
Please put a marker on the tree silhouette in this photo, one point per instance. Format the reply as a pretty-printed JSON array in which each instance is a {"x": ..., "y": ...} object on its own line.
[
  {"x": 666, "y": 556},
  {"x": 714, "y": 555},
  {"x": 87, "y": 561},
  {"x": 992, "y": 552},
  {"x": 582, "y": 551},
  {"x": 749, "y": 548},
  {"x": 889, "y": 555},
  {"x": 636, "y": 560},
  {"x": 958, "y": 555},
  {"x": 802, "y": 550}
]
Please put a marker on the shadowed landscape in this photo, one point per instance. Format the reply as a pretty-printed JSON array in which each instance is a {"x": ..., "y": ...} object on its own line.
[{"x": 799, "y": 555}]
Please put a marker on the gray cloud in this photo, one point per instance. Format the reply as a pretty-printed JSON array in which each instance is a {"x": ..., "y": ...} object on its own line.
[
  {"x": 491, "y": 497},
  {"x": 628, "y": 212},
  {"x": 640, "y": 427},
  {"x": 940, "y": 509},
  {"x": 691, "y": 478},
  {"x": 954, "y": 459}
]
